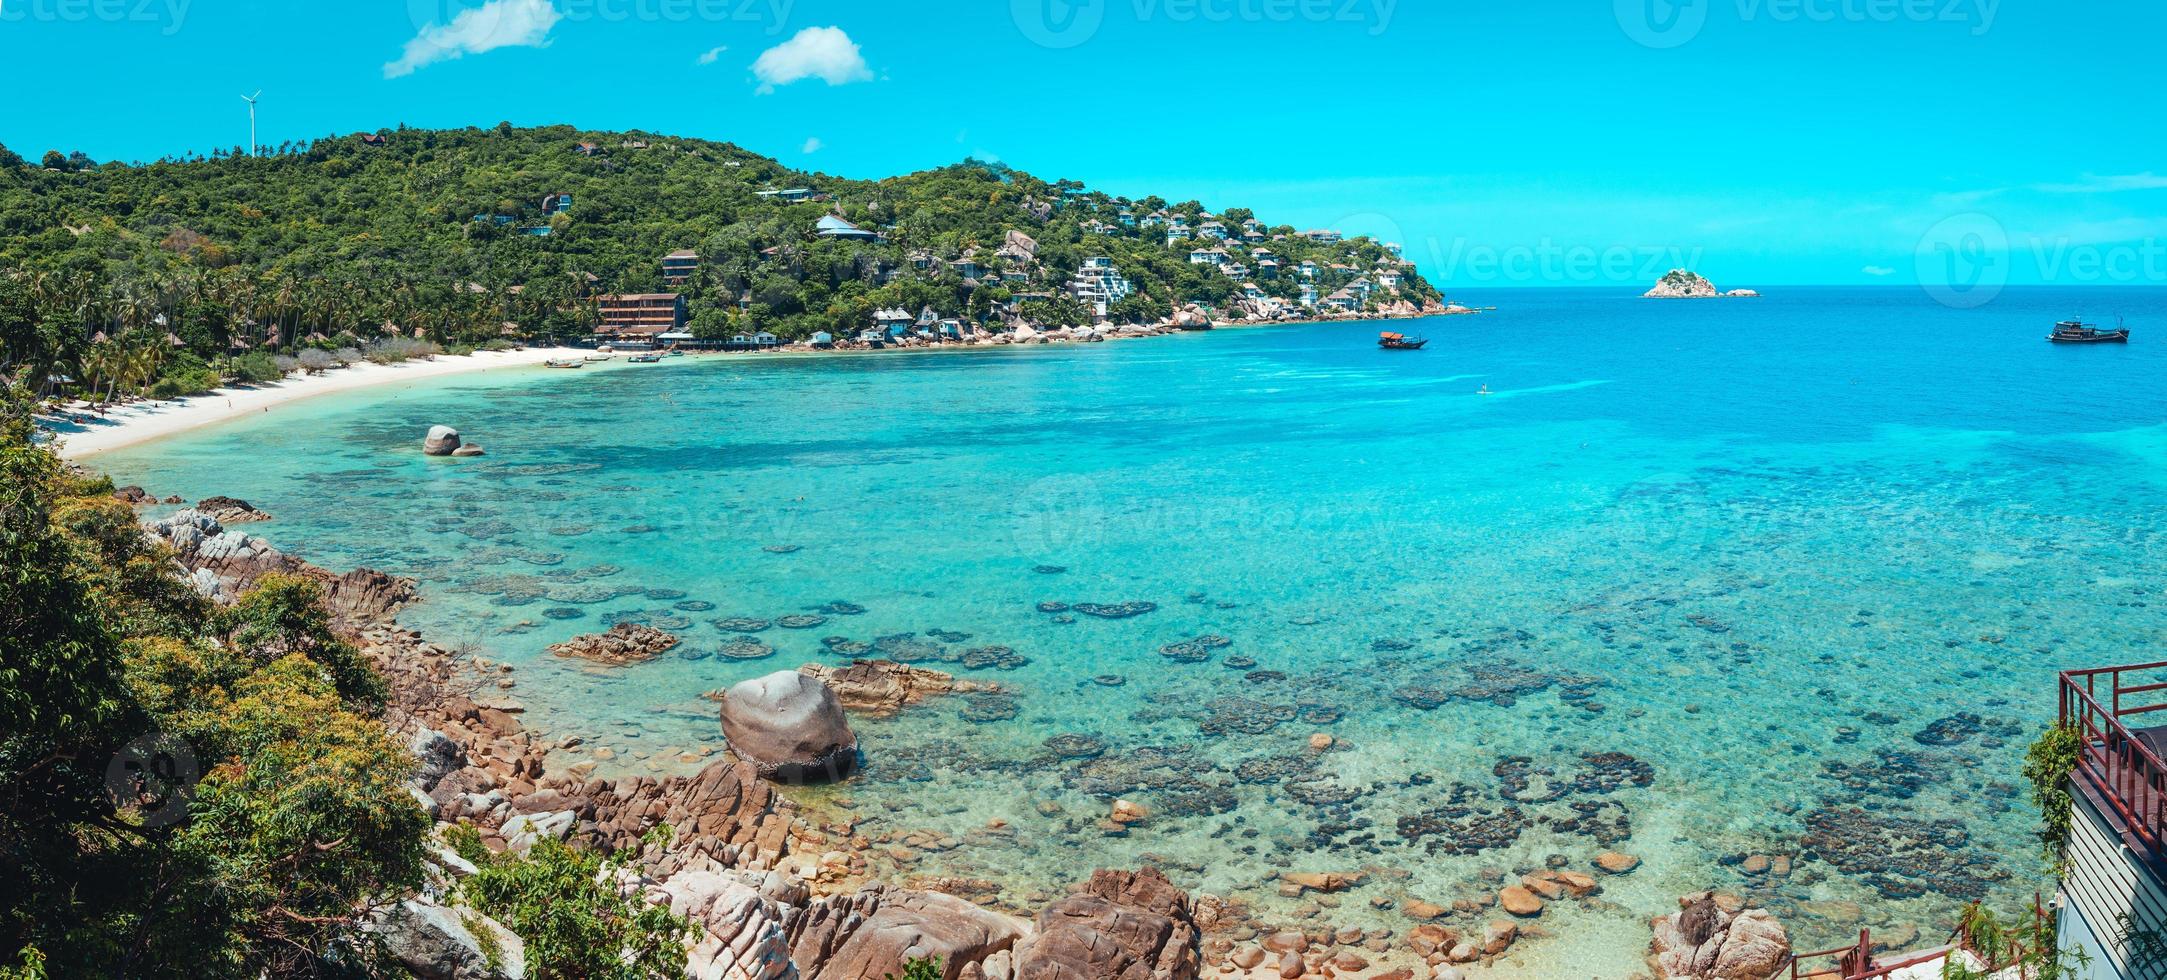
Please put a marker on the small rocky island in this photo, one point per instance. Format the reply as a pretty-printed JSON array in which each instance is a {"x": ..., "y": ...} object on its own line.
[{"x": 1686, "y": 284}]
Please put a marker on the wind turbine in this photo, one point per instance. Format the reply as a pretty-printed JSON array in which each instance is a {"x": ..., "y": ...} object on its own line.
[{"x": 251, "y": 100}]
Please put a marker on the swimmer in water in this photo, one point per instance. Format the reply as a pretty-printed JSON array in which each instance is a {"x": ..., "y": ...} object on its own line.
[{"x": 1484, "y": 390}]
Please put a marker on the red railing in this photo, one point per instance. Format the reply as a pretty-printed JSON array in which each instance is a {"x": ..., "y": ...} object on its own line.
[
  {"x": 1856, "y": 961},
  {"x": 2124, "y": 771}
]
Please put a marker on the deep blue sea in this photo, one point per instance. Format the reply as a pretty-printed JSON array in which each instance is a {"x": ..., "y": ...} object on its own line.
[{"x": 1694, "y": 580}]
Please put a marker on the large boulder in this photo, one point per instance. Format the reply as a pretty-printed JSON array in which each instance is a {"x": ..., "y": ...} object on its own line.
[
  {"x": 790, "y": 728},
  {"x": 1714, "y": 937},
  {"x": 528, "y": 829},
  {"x": 434, "y": 942},
  {"x": 366, "y": 595},
  {"x": 741, "y": 931},
  {"x": 439, "y": 756},
  {"x": 874, "y": 932},
  {"x": 443, "y": 440},
  {"x": 1121, "y": 925}
]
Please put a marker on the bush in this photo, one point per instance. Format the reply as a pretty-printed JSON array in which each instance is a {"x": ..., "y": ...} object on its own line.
[
  {"x": 349, "y": 355},
  {"x": 287, "y": 363},
  {"x": 255, "y": 367},
  {"x": 392, "y": 350},
  {"x": 317, "y": 361},
  {"x": 565, "y": 906}
]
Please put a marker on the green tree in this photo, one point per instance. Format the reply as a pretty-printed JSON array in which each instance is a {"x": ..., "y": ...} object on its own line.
[{"x": 566, "y": 907}]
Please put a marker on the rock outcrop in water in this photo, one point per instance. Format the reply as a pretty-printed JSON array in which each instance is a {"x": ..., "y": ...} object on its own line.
[
  {"x": 623, "y": 645},
  {"x": 230, "y": 510},
  {"x": 790, "y": 727},
  {"x": 883, "y": 688},
  {"x": 443, "y": 440},
  {"x": 1715, "y": 937},
  {"x": 1685, "y": 284}
]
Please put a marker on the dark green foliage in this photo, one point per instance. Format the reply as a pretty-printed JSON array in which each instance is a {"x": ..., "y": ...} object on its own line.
[
  {"x": 564, "y": 906},
  {"x": 284, "y": 615},
  {"x": 183, "y": 792},
  {"x": 2047, "y": 765},
  {"x": 339, "y": 238},
  {"x": 918, "y": 968}
]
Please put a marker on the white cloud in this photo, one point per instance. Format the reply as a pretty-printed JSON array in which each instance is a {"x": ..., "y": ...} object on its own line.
[
  {"x": 812, "y": 145},
  {"x": 1878, "y": 270},
  {"x": 713, "y": 53},
  {"x": 493, "y": 25},
  {"x": 2108, "y": 184},
  {"x": 825, "y": 53}
]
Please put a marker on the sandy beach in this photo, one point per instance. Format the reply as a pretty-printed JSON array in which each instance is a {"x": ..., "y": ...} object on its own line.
[{"x": 82, "y": 434}]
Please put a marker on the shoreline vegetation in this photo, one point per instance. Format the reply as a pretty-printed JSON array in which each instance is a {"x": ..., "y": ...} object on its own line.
[
  {"x": 168, "y": 278},
  {"x": 83, "y": 429}
]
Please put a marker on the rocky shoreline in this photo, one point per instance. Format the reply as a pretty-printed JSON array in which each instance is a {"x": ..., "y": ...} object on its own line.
[
  {"x": 1185, "y": 320},
  {"x": 779, "y": 891}
]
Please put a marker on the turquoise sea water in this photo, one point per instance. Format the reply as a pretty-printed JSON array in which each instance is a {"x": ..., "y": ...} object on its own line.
[{"x": 1696, "y": 580}]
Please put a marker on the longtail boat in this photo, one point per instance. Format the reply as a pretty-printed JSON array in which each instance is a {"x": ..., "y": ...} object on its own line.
[{"x": 1396, "y": 341}]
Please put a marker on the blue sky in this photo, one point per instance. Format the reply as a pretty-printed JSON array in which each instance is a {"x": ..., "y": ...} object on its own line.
[{"x": 1760, "y": 142}]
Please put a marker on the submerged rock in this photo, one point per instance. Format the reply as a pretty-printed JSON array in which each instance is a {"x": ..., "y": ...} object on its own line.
[
  {"x": 789, "y": 727},
  {"x": 1119, "y": 610}
]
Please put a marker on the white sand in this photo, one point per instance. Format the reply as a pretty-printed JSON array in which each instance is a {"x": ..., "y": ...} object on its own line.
[{"x": 82, "y": 434}]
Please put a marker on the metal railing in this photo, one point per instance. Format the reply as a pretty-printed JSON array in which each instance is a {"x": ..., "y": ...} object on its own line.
[{"x": 2126, "y": 772}]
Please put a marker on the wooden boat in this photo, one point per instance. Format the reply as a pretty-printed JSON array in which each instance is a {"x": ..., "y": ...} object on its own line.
[
  {"x": 569, "y": 365},
  {"x": 2077, "y": 332},
  {"x": 1397, "y": 341},
  {"x": 598, "y": 358},
  {"x": 644, "y": 359}
]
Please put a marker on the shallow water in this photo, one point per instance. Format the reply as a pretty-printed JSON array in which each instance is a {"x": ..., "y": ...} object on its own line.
[{"x": 1693, "y": 581}]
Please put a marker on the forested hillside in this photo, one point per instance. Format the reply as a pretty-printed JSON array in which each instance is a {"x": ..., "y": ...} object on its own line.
[{"x": 445, "y": 232}]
